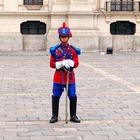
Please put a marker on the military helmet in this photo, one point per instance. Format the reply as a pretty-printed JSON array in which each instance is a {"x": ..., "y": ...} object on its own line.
[{"x": 64, "y": 31}]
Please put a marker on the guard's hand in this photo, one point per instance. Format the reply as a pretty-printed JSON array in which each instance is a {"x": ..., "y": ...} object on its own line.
[
  {"x": 58, "y": 65},
  {"x": 67, "y": 66},
  {"x": 64, "y": 62},
  {"x": 71, "y": 63}
]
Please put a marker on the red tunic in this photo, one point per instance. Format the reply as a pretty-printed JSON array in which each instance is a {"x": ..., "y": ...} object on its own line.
[{"x": 62, "y": 53}]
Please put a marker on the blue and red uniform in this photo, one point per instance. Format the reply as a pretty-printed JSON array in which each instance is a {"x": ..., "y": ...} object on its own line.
[
  {"x": 59, "y": 53},
  {"x": 64, "y": 58}
]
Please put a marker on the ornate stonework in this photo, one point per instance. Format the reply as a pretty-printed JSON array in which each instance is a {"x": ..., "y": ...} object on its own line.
[{"x": 89, "y": 21}]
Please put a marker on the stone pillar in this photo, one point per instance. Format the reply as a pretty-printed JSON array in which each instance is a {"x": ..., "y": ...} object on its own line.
[
  {"x": 46, "y": 5},
  {"x": 108, "y": 5},
  {"x": 97, "y": 4},
  {"x": 102, "y": 4},
  {"x": 50, "y": 4},
  {"x": 93, "y": 5},
  {"x": 136, "y": 5}
]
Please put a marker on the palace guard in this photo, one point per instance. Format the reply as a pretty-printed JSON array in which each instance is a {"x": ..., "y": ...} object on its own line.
[{"x": 64, "y": 58}]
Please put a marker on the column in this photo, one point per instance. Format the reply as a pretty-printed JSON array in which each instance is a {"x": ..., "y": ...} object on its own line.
[
  {"x": 108, "y": 5},
  {"x": 136, "y": 5},
  {"x": 102, "y": 4}
]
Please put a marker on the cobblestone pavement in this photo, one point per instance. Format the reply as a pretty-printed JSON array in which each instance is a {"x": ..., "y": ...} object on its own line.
[{"x": 108, "y": 88}]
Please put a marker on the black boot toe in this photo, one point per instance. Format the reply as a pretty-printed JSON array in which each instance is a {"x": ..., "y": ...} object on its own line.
[
  {"x": 74, "y": 119},
  {"x": 54, "y": 119}
]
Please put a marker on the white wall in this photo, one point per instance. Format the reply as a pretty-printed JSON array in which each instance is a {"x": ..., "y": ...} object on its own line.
[{"x": 89, "y": 23}]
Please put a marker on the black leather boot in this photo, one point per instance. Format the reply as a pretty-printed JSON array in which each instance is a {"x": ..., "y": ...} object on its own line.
[
  {"x": 73, "y": 104},
  {"x": 55, "y": 109}
]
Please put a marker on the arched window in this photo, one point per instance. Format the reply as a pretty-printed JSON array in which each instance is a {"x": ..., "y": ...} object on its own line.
[
  {"x": 122, "y": 5},
  {"x": 33, "y": 27},
  {"x": 122, "y": 28},
  {"x": 33, "y": 2}
]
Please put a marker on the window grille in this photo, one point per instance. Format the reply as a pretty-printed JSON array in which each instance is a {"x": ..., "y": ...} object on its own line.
[
  {"x": 122, "y": 5},
  {"x": 122, "y": 28},
  {"x": 33, "y": 27},
  {"x": 33, "y": 2}
]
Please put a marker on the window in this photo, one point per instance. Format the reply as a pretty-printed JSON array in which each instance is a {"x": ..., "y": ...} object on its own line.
[
  {"x": 33, "y": 2},
  {"x": 122, "y": 5},
  {"x": 122, "y": 28},
  {"x": 33, "y": 27}
]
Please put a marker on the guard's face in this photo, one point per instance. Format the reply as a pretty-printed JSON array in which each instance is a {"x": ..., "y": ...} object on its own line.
[{"x": 64, "y": 39}]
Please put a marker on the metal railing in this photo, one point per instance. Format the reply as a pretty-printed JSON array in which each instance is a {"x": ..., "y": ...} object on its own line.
[{"x": 120, "y": 6}]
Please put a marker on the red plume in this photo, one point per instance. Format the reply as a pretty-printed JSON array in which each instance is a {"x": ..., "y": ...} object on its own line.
[
  {"x": 70, "y": 34},
  {"x": 64, "y": 24}
]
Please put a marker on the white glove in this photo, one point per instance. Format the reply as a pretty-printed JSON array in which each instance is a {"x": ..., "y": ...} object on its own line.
[
  {"x": 64, "y": 62},
  {"x": 58, "y": 65},
  {"x": 71, "y": 63},
  {"x": 67, "y": 66},
  {"x": 61, "y": 64}
]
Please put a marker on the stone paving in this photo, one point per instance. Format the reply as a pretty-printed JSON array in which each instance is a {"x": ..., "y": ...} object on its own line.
[{"x": 108, "y": 88}]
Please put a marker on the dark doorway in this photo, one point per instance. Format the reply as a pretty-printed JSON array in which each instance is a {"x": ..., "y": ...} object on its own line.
[
  {"x": 33, "y": 27},
  {"x": 122, "y": 28}
]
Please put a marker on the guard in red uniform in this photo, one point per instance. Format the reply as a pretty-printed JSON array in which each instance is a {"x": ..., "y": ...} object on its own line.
[{"x": 64, "y": 58}]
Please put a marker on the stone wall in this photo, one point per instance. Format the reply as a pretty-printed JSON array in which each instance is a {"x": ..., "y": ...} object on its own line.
[
  {"x": 11, "y": 42},
  {"x": 88, "y": 20},
  {"x": 101, "y": 43},
  {"x": 34, "y": 42},
  {"x": 18, "y": 42}
]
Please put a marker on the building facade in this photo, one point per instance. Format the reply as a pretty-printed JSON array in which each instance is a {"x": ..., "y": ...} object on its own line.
[{"x": 95, "y": 24}]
